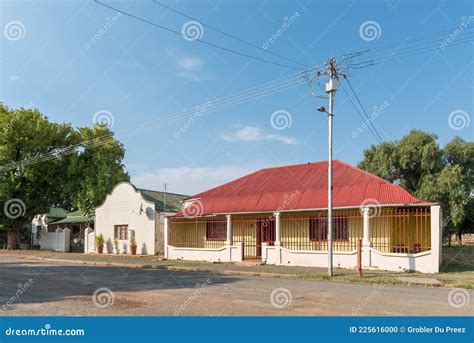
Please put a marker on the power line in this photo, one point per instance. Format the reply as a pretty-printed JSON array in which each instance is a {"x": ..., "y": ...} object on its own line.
[
  {"x": 197, "y": 39},
  {"x": 368, "y": 121},
  {"x": 228, "y": 34}
]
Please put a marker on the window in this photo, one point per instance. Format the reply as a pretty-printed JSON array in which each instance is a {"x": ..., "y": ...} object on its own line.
[
  {"x": 216, "y": 230},
  {"x": 318, "y": 229},
  {"x": 121, "y": 232}
]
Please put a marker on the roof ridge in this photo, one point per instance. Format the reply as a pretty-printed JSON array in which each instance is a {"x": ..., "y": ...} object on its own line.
[
  {"x": 365, "y": 172},
  {"x": 162, "y": 192}
]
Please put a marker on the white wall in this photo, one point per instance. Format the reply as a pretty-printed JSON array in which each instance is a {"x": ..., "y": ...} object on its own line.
[
  {"x": 228, "y": 253},
  {"x": 57, "y": 241},
  {"x": 125, "y": 206}
]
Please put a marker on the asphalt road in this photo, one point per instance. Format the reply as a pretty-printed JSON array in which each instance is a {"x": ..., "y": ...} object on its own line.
[{"x": 49, "y": 288}]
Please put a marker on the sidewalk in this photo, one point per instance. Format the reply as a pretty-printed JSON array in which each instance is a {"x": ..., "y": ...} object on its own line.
[{"x": 464, "y": 280}]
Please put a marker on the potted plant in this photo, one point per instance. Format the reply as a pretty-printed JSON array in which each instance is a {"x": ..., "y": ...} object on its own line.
[
  {"x": 116, "y": 245},
  {"x": 99, "y": 243},
  {"x": 133, "y": 246}
]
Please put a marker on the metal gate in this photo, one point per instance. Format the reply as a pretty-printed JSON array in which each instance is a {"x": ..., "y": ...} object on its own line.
[{"x": 252, "y": 233}]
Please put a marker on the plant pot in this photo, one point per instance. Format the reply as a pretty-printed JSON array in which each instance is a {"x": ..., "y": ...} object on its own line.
[
  {"x": 100, "y": 249},
  {"x": 133, "y": 250}
]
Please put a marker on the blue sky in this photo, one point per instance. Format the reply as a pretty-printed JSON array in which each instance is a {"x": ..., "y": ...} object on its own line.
[{"x": 75, "y": 61}]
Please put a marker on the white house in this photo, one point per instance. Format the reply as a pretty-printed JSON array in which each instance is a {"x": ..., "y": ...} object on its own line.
[{"x": 132, "y": 212}]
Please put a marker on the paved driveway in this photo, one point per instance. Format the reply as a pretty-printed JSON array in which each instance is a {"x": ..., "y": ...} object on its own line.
[{"x": 53, "y": 288}]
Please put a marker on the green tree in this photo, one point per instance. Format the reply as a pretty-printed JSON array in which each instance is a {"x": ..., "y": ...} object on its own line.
[
  {"x": 26, "y": 190},
  {"x": 80, "y": 179},
  {"x": 444, "y": 176},
  {"x": 94, "y": 171}
]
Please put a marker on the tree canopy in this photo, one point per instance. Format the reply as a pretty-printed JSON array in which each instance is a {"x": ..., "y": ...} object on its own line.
[
  {"x": 79, "y": 180},
  {"x": 445, "y": 176}
]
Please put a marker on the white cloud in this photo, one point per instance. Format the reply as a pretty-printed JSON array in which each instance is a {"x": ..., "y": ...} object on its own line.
[
  {"x": 193, "y": 67},
  {"x": 191, "y": 180},
  {"x": 255, "y": 134}
]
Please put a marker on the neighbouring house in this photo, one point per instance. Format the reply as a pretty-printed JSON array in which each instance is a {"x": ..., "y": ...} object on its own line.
[
  {"x": 49, "y": 230},
  {"x": 133, "y": 212},
  {"x": 279, "y": 216}
]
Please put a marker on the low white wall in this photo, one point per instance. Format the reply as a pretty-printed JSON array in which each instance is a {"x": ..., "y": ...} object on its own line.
[
  {"x": 228, "y": 253},
  {"x": 57, "y": 241},
  {"x": 420, "y": 262},
  {"x": 375, "y": 259},
  {"x": 282, "y": 256}
]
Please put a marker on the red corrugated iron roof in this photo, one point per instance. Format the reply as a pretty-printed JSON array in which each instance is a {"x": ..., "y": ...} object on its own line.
[{"x": 301, "y": 186}]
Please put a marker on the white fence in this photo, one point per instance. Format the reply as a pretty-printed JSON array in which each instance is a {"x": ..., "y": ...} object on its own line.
[
  {"x": 57, "y": 241},
  {"x": 89, "y": 240}
]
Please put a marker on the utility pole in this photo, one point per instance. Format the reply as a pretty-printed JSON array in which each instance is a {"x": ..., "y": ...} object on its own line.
[
  {"x": 165, "y": 186},
  {"x": 331, "y": 87}
]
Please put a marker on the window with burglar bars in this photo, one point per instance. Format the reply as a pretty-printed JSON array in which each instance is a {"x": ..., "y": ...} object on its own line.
[
  {"x": 401, "y": 230},
  {"x": 197, "y": 232},
  {"x": 318, "y": 229},
  {"x": 216, "y": 230},
  {"x": 121, "y": 232},
  {"x": 308, "y": 230}
]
